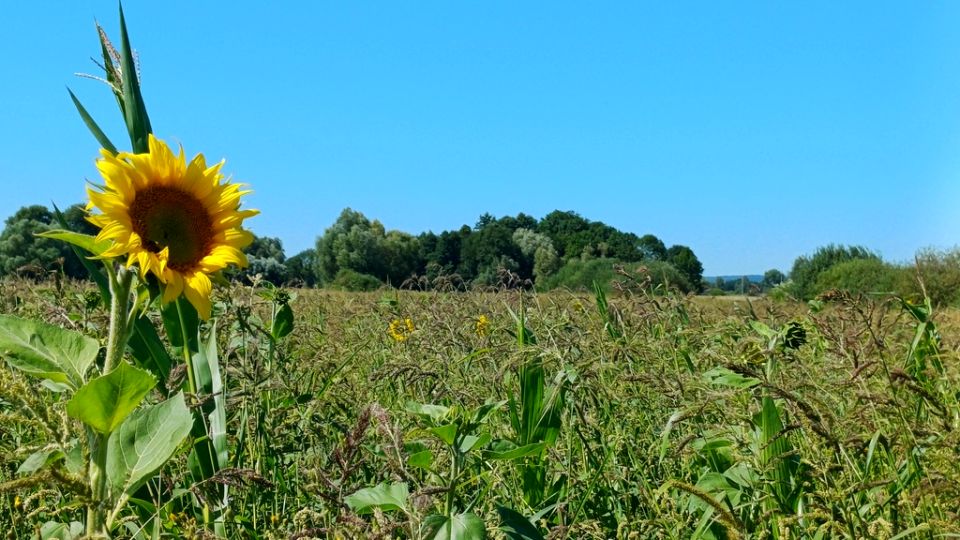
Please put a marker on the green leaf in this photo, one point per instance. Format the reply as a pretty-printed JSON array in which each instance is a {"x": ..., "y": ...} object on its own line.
[
  {"x": 84, "y": 241},
  {"x": 472, "y": 442},
  {"x": 384, "y": 496},
  {"x": 106, "y": 401},
  {"x": 145, "y": 441},
  {"x": 52, "y": 530},
  {"x": 433, "y": 413},
  {"x": 722, "y": 376},
  {"x": 211, "y": 446},
  {"x": 135, "y": 112},
  {"x": 92, "y": 124},
  {"x": 46, "y": 351},
  {"x": 148, "y": 350},
  {"x": 282, "y": 322},
  {"x": 182, "y": 323},
  {"x": 446, "y": 433},
  {"x": 93, "y": 269},
  {"x": 422, "y": 459},
  {"x": 40, "y": 460},
  {"x": 505, "y": 453},
  {"x": 466, "y": 526},
  {"x": 516, "y": 526}
]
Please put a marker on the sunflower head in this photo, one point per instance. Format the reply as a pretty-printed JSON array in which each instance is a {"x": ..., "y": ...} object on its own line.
[{"x": 179, "y": 221}]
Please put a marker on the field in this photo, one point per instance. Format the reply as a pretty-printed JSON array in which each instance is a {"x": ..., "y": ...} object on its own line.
[{"x": 435, "y": 415}]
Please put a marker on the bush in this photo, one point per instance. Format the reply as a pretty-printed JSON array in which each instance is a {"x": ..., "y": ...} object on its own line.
[
  {"x": 351, "y": 280},
  {"x": 940, "y": 271},
  {"x": 807, "y": 269},
  {"x": 860, "y": 276},
  {"x": 579, "y": 274},
  {"x": 663, "y": 276}
]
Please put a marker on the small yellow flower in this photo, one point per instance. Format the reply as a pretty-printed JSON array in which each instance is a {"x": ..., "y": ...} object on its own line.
[
  {"x": 400, "y": 330},
  {"x": 482, "y": 325},
  {"x": 17, "y": 503},
  {"x": 274, "y": 519},
  {"x": 179, "y": 221}
]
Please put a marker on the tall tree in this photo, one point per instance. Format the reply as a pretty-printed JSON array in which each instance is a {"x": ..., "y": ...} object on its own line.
[
  {"x": 652, "y": 248},
  {"x": 684, "y": 260}
]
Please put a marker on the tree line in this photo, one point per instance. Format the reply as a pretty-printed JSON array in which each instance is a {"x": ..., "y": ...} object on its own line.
[{"x": 563, "y": 249}]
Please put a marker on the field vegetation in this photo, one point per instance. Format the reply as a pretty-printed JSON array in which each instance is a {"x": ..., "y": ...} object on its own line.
[{"x": 640, "y": 413}]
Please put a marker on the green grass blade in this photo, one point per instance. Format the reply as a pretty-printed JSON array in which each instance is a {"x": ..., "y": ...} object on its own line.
[
  {"x": 92, "y": 125},
  {"x": 135, "y": 112}
]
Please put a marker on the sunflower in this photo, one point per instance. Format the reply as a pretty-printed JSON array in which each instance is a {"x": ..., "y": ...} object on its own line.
[{"x": 176, "y": 220}]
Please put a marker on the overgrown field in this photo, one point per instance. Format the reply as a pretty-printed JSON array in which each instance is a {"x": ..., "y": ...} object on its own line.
[{"x": 627, "y": 416}]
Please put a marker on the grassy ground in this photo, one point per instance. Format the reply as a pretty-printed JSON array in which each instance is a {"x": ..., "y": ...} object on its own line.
[{"x": 627, "y": 417}]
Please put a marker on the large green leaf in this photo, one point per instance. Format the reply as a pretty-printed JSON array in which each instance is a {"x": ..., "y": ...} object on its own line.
[
  {"x": 52, "y": 530},
  {"x": 106, "y": 401},
  {"x": 46, "y": 351},
  {"x": 466, "y": 526},
  {"x": 282, "y": 322},
  {"x": 145, "y": 441},
  {"x": 211, "y": 449},
  {"x": 428, "y": 412},
  {"x": 383, "y": 496},
  {"x": 84, "y": 241},
  {"x": 516, "y": 526}
]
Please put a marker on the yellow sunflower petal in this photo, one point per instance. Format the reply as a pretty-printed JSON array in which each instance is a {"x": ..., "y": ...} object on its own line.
[
  {"x": 197, "y": 289},
  {"x": 173, "y": 288}
]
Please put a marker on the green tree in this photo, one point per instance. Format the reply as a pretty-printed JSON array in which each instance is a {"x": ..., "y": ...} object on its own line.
[
  {"x": 539, "y": 249},
  {"x": 488, "y": 249},
  {"x": 652, "y": 248},
  {"x": 807, "y": 269},
  {"x": 301, "y": 268},
  {"x": 265, "y": 258},
  {"x": 772, "y": 278},
  {"x": 566, "y": 229},
  {"x": 355, "y": 243},
  {"x": 266, "y": 247},
  {"x": 686, "y": 262},
  {"x": 21, "y": 249}
]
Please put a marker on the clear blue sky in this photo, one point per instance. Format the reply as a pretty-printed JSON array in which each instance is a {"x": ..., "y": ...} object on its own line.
[{"x": 752, "y": 132}]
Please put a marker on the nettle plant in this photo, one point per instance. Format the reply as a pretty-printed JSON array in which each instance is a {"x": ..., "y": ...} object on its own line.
[{"x": 166, "y": 226}]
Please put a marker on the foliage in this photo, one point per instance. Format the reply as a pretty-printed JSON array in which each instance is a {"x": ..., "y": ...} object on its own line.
[
  {"x": 772, "y": 278},
  {"x": 350, "y": 280},
  {"x": 704, "y": 417},
  {"x": 362, "y": 246},
  {"x": 940, "y": 272},
  {"x": 861, "y": 276},
  {"x": 22, "y": 251},
  {"x": 301, "y": 268},
  {"x": 807, "y": 268},
  {"x": 686, "y": 262},
  {"x": 577, "y": 274}
]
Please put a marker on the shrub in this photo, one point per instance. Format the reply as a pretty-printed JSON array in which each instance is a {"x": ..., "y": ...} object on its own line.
[
  {"x": 863, "y": 276},
  {"x": 807, "y": 269},
  {"x": 940, "y": 271},
  {"x": 579, "y": 274},
  {"x": 351, "y": 280}
]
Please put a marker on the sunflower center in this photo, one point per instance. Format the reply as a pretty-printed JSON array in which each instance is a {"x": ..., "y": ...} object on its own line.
[{"x": 167, "y": 217}]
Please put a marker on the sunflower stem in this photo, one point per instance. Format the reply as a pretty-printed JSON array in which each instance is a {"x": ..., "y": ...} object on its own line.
[{"x": 120, "y": 281}]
